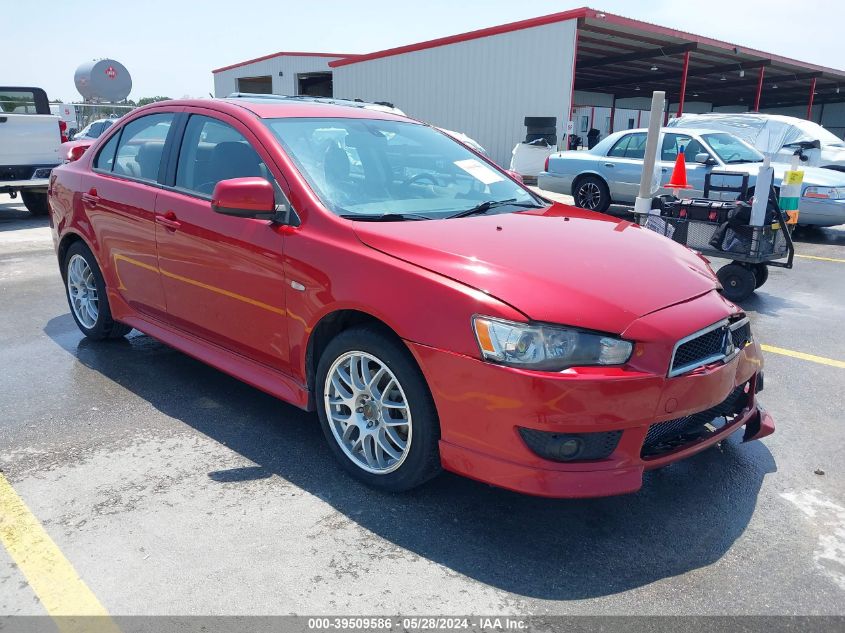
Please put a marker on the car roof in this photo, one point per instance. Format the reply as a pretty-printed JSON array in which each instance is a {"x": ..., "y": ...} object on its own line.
[
  {"x": 675, "y": 130},
  {"x": 276, "y": 107}
]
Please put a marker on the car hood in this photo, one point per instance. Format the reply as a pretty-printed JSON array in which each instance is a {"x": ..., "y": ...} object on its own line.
[{"x": 559, "y": 265}]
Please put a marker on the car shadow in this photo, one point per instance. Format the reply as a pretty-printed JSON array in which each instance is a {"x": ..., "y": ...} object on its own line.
[
  {"x": 834, "y": 236},
  {"x": 687, "y": 516},
  {"x": 14, "y": 216}
]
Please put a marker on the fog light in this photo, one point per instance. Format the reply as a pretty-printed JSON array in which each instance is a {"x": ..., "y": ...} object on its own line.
[{"x": 569, "y": 449}]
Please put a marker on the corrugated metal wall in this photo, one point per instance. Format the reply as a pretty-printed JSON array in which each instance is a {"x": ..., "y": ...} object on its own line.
[
  {"x": 483, "y": 87},
  {"x": 225, "y": 82}
]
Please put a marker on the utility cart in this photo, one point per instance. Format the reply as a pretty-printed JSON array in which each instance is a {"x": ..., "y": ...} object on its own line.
[{"x": 719, "y": 228}]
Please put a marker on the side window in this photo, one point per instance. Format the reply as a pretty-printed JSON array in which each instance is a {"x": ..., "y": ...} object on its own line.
[
  {"x": 618, "y": 150},
  {"x": 213, "y": 151},
  {"x": 105, "y": 158},
  {"x": 142, "y": 146},
  {"x": 672, "y": 144},
  {"x": 636, "y": 148}
]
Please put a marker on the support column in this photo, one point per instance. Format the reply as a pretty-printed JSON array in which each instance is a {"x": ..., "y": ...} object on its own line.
[
  {"x": 683, "y": 84},
  {"x": 810, "y": 103},
  {"x": 759, "y": 88}
]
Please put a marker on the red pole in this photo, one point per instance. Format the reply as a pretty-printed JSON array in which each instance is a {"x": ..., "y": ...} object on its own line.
[
  {"x": 683, "y": 83},
  {"x": 759, "y": 88},
  {"x": 612, "y": 116},
  {"x": 810, "y": 104}
]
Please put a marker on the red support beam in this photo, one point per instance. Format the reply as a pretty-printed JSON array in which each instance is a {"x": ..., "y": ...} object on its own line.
[
  {"x": 612, "y": 116},
  {"x": 683, "y": 84},
  {"x": 759, "y": 88},
  {"x": 810, "y": 104}
]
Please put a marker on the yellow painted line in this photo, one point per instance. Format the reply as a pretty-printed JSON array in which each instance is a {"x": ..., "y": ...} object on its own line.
[
  {"x": 810, "y": 357},
  {"x": 50, "y": 575},
  {"x": 824, "y": 259}
]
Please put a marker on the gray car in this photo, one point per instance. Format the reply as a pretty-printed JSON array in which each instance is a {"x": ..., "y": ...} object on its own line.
[{"x": 610, "y": 172}]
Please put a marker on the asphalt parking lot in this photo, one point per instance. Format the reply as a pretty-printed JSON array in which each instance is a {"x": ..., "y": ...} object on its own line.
[{"x": 172, "y": 488}]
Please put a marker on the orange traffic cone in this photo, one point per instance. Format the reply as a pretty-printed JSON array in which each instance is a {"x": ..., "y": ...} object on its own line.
[{"x": 679, "y": 173}]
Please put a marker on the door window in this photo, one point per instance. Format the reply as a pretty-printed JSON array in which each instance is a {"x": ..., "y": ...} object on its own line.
[
  {"x": 105, "y": 158},
  {"x": 629, "y": 146},
  {"x": 672, "y": 143},
  {"x": 213, "y": 151},
  {"x": 141, "y": 146}
]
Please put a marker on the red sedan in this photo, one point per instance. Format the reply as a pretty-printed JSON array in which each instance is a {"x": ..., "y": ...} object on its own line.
[{"x": 434, "y": 311}]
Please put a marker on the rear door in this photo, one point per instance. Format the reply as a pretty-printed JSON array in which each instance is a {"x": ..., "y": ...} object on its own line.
[
  {"x": 120, "y": 203},
  {"x": 223, "y": 276},
  {"x": 623, "y": 165}
]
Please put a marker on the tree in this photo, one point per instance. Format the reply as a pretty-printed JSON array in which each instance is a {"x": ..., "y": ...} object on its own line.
[{"x": 145, "y": 100}]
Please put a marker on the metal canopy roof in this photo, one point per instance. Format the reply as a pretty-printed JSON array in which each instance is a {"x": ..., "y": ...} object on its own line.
[{"x": 630, "y": 58}]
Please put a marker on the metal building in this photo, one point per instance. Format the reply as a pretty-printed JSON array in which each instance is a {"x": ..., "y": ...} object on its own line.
[
  {"x": 283, "y": 73},
  {"x": 586, "y": 68}
]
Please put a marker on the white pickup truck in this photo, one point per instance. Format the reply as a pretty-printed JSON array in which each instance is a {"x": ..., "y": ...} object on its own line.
[{"x": 30, "y": 137}]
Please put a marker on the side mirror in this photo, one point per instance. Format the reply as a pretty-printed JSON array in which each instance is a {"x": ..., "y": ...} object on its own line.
[
  {"x": 244, "y": 198},
  {"x": 514, "y": 175},
  {"x": 705, "y": 159}
]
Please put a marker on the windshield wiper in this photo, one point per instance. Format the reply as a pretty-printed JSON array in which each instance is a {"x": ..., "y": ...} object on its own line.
[
  {"x": 384, "y": 217},
  {"x": 487, "y": 205}
]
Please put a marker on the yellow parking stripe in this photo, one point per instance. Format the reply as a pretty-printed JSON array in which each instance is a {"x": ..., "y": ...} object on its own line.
[
  {"x": 50, "y": 575},
  {"x": 824, "y": 259},
  {"x": 810, "y": 357}
]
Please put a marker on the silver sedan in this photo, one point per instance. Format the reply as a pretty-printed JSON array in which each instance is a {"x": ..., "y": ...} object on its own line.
[{"x": 610, "y": 172}]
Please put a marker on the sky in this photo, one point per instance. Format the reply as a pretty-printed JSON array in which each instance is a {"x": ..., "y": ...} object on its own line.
[{"x": 170, "y": 47}]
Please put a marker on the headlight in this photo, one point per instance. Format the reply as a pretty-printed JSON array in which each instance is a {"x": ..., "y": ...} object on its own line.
[
  {"x": 544, "y": 347},
  {"x": 826, "y": 193}
]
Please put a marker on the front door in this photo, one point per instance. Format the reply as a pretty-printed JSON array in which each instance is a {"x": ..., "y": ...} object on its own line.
[
  {"x": 223, "y": 276},
  {"x": 120, "y": 196},
  {"x": 669, "y": 150}
]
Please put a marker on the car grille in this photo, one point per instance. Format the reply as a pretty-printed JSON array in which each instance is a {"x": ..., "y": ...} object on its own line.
[
  {"x": 664, "y": 437},
  {"x": 741, "y": 334},
  {"x": 551, "y": 445},
  {"x": 715, "y": 343}
]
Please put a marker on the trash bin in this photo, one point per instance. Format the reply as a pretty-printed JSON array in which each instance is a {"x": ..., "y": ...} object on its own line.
[{"x": 593, "y": 137}]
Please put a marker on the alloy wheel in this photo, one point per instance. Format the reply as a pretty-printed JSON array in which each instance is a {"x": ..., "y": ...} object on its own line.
[
  {"x": 368, "y": 412},
  {"x": 82, "y": 291},
  {"x": 589, "y": 195}
]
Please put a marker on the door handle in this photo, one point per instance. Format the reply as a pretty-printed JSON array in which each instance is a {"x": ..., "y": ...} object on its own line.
[
  {"x": 608, "y": 165},
  {"x": 90, "y": 199},
  {"x": 168, "y": 221}
]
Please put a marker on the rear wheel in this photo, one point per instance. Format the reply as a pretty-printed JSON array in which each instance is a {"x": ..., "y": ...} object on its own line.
[
  {"x": 738, "y": 282},
  {"x": 86, "y": 295},
  {"x": 35, "y": 202},
  {"x": 591, "y": 193},
  {"x": 376, "y": 410}
]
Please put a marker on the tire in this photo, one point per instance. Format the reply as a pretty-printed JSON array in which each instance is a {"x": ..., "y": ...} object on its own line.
[
  {"x": 591, "y": 192},
  {"x": 363, "y": 454},
  {"x": 35, "y": 202},
  {"x": 83, "y": 279},
  {"x": 761, "y": 274},
  {"x": 738, "y": 282}
]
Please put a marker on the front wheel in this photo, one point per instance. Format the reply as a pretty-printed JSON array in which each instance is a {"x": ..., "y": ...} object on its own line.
[
  {"x": 86, "y": 295},
  {"x": 591, "y": 193},
  {"x": 35, "y": 202},
  {"x": 376, "y": 411}
]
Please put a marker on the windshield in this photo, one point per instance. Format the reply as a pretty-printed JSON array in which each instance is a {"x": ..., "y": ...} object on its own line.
[
  {"x": 731, "y": 149},
  {"x": 369, "y": 167}
]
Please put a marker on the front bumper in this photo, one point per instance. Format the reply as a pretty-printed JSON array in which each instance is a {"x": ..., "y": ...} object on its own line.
[{"x": 482, "y": 406}]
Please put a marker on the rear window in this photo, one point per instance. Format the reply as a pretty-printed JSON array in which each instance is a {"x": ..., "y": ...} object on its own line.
[{"x": 23, "y": 101}]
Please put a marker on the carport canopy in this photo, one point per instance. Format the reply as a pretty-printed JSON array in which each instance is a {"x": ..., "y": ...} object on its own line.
[{"x": 631, "y": 58}]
